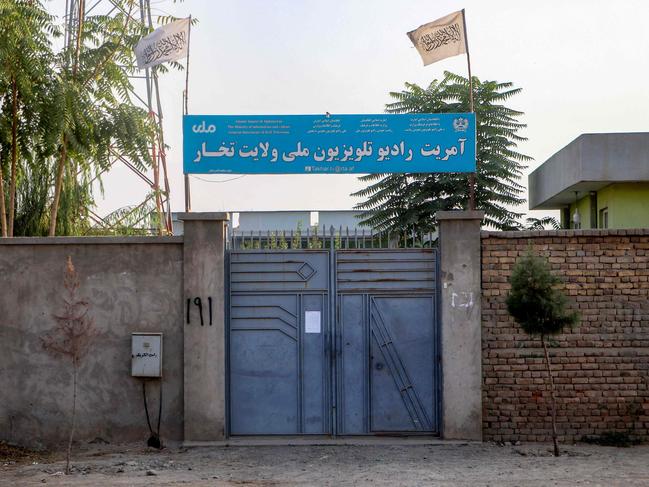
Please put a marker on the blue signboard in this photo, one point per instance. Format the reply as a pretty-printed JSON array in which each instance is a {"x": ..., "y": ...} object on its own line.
[{"x": 329, "y": 144}]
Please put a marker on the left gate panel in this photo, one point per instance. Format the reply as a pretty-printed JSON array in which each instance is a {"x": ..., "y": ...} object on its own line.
[{"x": 277, "y": 343}]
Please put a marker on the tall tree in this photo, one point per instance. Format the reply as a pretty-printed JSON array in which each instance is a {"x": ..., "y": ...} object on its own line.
[
  {"x": 540, "y": 308},
  {"x": 96, "y": 114},
  {"x": 397, "y": 202},
  {"x": 25, "y": 63},
  {"x": 64, "y": 114}
]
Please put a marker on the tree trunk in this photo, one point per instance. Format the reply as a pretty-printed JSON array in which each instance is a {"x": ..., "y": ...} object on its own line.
[
  {"x": 553, "y": 401},
  {"x": 74, "y": 416},
  {"x": 14, "y": 158},
  {"x": 58, "y": 183},
  {"x": 3, "y": 210}
]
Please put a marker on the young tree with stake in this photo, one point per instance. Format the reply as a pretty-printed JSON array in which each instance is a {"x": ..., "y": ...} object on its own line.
[{"x": 540, "y": 309}]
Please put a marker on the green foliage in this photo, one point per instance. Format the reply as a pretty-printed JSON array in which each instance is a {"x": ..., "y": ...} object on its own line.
[
  {"x": 272, "y": 241},
  {"x": 338, "y": 241},
  {"x": 534, "y": 300},
  {"x": 315, "y": 242},
  {"x": 129, "y": 220},
  {"x": 541, "y": 223},
  {"x": 282, "y": 243},
  {"x": 25, "y": 51},
  {"x": 296, "y": 241},
  {"x": 71, "y": 111},
  {"x": 397, "y": 202}
]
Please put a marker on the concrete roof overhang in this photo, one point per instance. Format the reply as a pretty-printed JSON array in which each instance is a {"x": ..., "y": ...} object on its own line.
[{"x": 589, "y": 163}]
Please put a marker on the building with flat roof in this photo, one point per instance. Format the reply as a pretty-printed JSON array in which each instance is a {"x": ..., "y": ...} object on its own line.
[{"x": 597, "y": 181}]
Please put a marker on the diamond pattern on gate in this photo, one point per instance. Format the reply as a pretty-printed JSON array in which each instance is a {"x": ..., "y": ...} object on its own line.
[{"x": 305, "y": 271}]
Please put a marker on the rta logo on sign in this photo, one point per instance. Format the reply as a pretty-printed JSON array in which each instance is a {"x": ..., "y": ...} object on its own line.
[
  {"x": 203, "y": 128},
  {"x": 461, "y": 124}
]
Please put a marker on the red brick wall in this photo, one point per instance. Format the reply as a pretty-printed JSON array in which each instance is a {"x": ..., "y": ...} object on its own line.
[{"x": 601, "y": 366}]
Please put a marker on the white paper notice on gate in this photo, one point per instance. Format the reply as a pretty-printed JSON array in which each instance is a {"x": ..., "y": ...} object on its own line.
[{"x": 312, "y": 322}]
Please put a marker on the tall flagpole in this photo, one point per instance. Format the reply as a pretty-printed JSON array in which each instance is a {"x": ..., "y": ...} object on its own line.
[
  {"x": 472, "y": 176},
  {"x": 188, "y": 198}
]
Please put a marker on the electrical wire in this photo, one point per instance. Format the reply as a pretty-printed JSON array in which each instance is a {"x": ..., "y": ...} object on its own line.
[
  {"x": 154, "y": 439},
  {"x": 212, "y": 181}
]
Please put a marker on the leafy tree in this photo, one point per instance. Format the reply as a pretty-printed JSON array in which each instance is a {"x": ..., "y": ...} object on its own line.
[
  {"x": 95, "y": 113},
  {"x": 65, "y": 114},
  {"x": 540, "y": 309},
  {"x": 532, "y": 223},
  {"x": 397, "y": 202},
  {"x": 25, "y": 61},
  {"x": 129, "y": 220}
]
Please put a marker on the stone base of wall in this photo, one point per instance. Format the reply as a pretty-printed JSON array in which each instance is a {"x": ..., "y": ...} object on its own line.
[{"x": 601, "y": 366}]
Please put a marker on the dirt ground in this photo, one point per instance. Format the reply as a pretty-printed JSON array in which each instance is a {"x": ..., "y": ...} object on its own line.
[{"x": 378, "y": 465}]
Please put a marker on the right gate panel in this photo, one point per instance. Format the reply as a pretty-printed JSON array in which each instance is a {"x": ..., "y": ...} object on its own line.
[{"x": 387, "y": 366}]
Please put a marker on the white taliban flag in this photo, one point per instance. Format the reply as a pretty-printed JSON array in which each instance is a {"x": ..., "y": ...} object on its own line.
[
  {"x": 166, "y": 43},
  {"x": 441, "y": 38}
]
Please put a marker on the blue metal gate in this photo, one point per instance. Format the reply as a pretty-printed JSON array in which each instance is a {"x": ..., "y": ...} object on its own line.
[{"x": 340, "y": 342}]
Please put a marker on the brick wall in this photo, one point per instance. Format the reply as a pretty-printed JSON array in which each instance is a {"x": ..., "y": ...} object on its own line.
[{"x": 601, "y": 366}]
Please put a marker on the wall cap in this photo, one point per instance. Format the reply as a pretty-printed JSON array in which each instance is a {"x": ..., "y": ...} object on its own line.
[
  {"x": 203, "y": 215},
  {"x": 90, "y": 240},
  {"x": 459, "y": 215},
  {"x": 591, "y": 232}
]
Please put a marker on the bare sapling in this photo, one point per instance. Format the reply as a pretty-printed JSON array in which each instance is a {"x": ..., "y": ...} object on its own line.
[{"x": 71, "y": 338}]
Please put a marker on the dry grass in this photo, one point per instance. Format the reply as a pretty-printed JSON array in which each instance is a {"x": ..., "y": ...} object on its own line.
[{"x": 17, "y": 455}]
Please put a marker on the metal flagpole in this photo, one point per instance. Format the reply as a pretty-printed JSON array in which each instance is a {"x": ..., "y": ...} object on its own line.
[
  {"x": 188, "y": 198},
  {"x": 472, "y": 176}
]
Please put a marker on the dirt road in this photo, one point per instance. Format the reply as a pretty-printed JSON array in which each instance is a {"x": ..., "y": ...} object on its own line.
[{"x": 377, "y": 465}]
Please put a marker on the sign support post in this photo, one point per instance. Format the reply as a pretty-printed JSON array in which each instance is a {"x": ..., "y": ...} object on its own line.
[
  {"x": 472, "y": 176},
  {"x": 188, "y": 196}
]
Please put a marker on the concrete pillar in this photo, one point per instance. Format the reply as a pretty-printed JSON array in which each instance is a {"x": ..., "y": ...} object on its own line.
[
  {"x": 459, "y": 243},
  {"x": 204, "y": 345}
]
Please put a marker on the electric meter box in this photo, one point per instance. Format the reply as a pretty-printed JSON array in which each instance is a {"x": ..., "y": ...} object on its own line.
[{"x": 146, "y": 354}]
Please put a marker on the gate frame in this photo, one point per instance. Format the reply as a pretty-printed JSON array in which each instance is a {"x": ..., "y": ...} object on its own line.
[
  {"x": 332, "y": 344},
  {"x": 204, "y": 271}
]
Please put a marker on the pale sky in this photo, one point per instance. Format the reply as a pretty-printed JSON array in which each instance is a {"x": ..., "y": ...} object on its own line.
[{"x": 583, "y": 66}]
